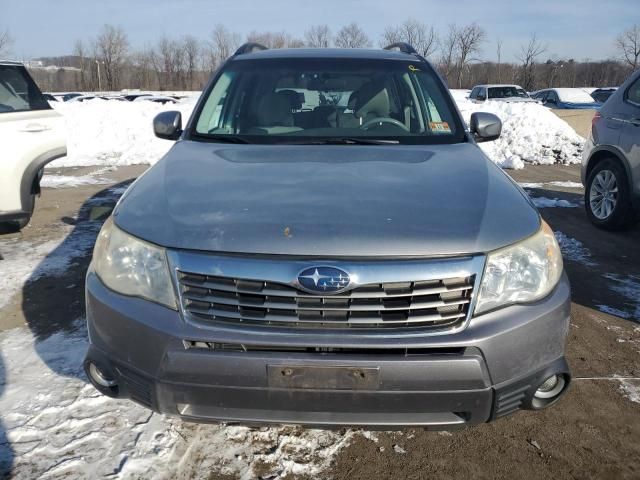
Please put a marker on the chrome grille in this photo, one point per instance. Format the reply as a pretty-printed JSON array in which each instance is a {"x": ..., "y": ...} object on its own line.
[{"x": 429, "y": 303}]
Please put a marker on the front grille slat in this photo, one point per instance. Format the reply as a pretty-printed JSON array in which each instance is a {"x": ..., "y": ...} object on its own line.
[
  {"x": 427, "y": 303},
  {"x": 361, "y": 292}
]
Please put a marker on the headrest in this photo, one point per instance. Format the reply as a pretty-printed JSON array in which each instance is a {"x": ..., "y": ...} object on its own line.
[
  {"x": 274, "y": 110},
  {"x": 372, "y": 99}
]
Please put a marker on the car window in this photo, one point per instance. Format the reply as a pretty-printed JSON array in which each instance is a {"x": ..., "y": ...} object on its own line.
[
  {"x": 474, "y": 92},
  {"x": 18, "y": 92},
  {"x": 270, "y": 100},
  {"x": 506, "y": 92},
  {"x": 633, "y": 93}
]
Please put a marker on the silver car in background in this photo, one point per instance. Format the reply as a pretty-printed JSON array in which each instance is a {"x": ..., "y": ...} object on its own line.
[
  {"x": 611, "y": 160},
  {"x": 326, "y": 244}
]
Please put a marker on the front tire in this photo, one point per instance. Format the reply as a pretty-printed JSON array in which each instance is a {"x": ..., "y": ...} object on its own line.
[{"x": 607, "y": 198}]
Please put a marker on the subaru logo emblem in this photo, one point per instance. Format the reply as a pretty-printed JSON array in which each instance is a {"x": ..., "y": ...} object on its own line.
[{"x": 323, "y": 280}]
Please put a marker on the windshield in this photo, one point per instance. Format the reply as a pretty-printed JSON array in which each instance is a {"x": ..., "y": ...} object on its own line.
[
  {"x": 507, "y": 92},
  {"x": 298, "y": 100}
]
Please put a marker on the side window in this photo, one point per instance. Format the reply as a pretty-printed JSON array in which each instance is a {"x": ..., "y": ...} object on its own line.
[
  {"x": 482, "y": 94},
  {"x": 474, "y": 92},
  {"x": 633, "y": 94},
  {"x": 18, "y": 92}
]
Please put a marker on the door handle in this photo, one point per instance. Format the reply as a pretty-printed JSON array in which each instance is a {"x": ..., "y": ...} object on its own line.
[{"x": 35, "y": 127}]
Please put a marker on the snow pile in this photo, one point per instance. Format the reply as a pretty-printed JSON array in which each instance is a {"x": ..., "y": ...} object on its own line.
[
  {"x": 57, "y": 425},
  {"x": 531, "y": 133},
  {"x": 111, "y": 132}
]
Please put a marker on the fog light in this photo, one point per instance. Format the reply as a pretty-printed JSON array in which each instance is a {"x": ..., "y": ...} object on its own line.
[
  {"x": 100, "y": 377},
  {"x": 551, "y": 387}
]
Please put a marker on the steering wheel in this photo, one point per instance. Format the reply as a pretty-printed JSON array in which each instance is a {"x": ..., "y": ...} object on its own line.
[{"x": 374, "y": 121}]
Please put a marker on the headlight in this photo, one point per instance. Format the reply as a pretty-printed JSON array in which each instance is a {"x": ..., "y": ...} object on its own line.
[
  {"x": 524, "y": 272},
  {"x": 131, "y": 266}
]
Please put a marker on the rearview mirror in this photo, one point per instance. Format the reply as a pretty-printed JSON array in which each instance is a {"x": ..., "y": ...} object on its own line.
[
  {"x": 168, "y": 125},
  {"x": 485, "y": 127}
]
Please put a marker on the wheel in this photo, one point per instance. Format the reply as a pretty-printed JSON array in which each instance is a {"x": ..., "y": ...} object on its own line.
[
  {"x": 14, "y": 226},
  {"x": 607, "y": 198}
]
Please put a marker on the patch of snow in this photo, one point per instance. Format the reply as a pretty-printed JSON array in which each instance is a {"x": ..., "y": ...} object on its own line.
[
  {"x": 69, "y": 181},
  {"x": 555, "y": 183},
  {"x": 613, "y": 311},
  {"x": 628, "y": 286},
  {"x": 567, "y": 184},
  {"x": 22, "y": 261},
  {"x": 631, "y": 390},
  {"x": 531, "y": 134},
  {"x": 58, "y": 425},
  {"x": 544, "y": 202},
  {"x": 573, "y": 249}
]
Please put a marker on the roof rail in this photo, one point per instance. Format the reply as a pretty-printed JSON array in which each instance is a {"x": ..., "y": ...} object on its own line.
[
  {"x": 250, "y": 47},
  {"x": 404, "y": 47}
]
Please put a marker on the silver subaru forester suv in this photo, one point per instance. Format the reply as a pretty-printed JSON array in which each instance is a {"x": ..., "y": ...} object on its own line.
[
  {"x": 611, "y": 160},
  {"x": 326, "y": 244}
]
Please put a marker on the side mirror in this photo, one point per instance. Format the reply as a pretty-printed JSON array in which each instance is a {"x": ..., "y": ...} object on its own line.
[
  {"x": 551, "y": 101},
  {"x": 485, "y": 127},
  {"x": 481, "y": 97},
  {"x": 168, "y": 125}
]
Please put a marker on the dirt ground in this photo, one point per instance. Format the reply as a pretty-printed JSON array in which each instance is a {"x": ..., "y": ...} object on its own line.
[
  {"x": 580, "y": 120},
  {"x": 594, "y": 432}
]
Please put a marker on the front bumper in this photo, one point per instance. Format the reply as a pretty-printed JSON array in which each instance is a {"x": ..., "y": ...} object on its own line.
[{"x": 485, "y": 371}]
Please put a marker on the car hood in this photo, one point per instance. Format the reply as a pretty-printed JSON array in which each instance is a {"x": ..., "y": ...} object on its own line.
[{"x": 327, "y": 201}]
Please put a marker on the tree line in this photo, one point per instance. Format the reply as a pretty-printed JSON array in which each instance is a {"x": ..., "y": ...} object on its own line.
[{"x": 108, "y": 62}]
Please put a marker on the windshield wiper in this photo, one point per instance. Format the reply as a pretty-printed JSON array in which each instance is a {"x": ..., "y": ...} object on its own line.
[
  {"x": 223, "y": 138},
  {"x": 340, "y": 141}
]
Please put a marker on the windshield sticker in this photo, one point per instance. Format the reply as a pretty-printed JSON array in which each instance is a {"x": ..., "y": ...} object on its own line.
[
  {"x": 440, "y": 127},
  {"x": 413, "y": 68}
]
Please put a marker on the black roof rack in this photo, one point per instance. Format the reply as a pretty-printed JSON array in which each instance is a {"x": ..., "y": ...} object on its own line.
[
  {"x": 250, "y": 47},
  {"x": 402, "y": 46}
]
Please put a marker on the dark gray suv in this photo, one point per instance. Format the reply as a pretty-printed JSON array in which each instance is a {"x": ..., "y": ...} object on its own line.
[
  {"x": 326, "y": 244},
  {"x": 611, "y": 160}
]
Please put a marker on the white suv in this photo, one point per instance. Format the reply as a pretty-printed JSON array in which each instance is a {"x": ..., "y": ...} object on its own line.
[{"x": 32, "y": 135}]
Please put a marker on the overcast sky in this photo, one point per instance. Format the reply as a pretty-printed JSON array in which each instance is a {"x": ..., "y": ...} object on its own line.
[{"x": 576, "y": 29}]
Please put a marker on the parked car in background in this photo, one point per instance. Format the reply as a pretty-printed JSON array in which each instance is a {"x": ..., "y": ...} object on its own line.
[
  {"x": 84, "y": 98},
  {"x": 326, "y": 244},
  {"x": 49, "y": 98},
  {"x": 502, "y": 93},
  {"x": 156, "y": 99},
  {"x": 133, "y": 96},
  {"x": 68, "y": 96},
  {"x": 601, "y": 95},
  {"x": 611, "y": 160},
  {"x": 32, "y": 135},
  {"x": 565, "y": 98}
]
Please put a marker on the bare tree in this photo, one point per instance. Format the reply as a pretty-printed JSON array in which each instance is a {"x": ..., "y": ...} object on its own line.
[
  {"x": 413, "y": 32},
  {"x": 84, "y": 64},
  {"x": 222, "y": 43},
  {"x": 499, "y": 64},
  {"x": 5, "y": 42},
  {"x": 111, "y": 50},
  {"x": 275, "y": 39},
  {"x": 352, "y": 36},
  {"x": 469, "y": 39},
  {"x": 628, "y": 43},
  {"x": 191, "y": 50},
  {"x": 318, "y": 36},
  {"x": 527, "y": 56},
  {"x": 448, "y": 52}
]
